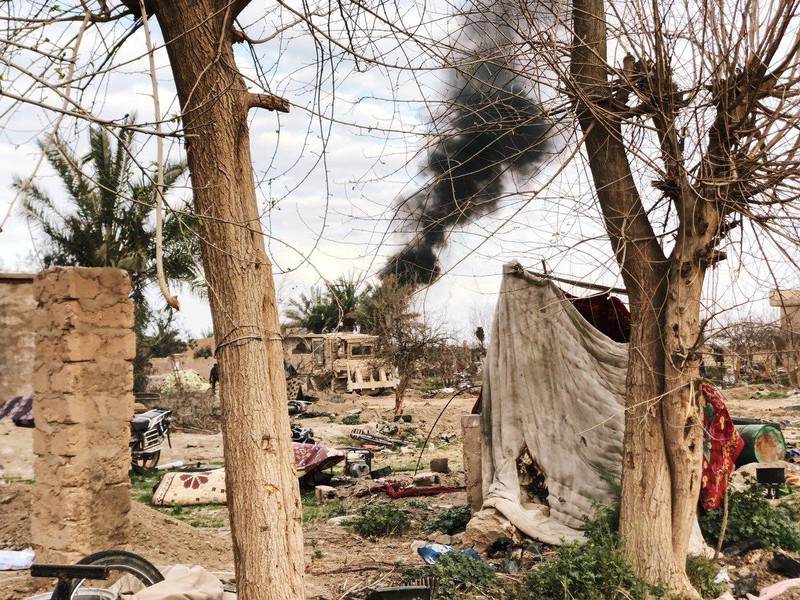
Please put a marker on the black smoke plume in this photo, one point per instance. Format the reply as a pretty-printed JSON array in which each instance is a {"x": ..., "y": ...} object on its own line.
[{"x": 494, "y": 127}]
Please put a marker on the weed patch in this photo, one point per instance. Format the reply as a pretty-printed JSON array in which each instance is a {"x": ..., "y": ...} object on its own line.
[
  {"x": 458, "y": 575},
  {"x": 451, "y": 521},
  {"x": 752, "y": 517},
  {"x": 313, "y": 510},
  {"x": 380, "y": 520},
  {"x": 702, "y": 572},
  {"x": 595, "y": 570}
]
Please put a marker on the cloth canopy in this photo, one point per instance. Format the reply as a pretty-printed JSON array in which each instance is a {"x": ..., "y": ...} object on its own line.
[{"x": 552, "y": 411}]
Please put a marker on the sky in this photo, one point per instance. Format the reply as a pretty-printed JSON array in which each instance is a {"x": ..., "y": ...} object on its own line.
[{"x": 331, "y": 173}]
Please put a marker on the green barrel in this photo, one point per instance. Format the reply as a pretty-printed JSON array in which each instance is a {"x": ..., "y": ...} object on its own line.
[{"x": 762, "y": 443}]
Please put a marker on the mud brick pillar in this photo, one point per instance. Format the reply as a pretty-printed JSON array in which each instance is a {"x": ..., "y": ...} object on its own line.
[{"x": 83, "y": 403}]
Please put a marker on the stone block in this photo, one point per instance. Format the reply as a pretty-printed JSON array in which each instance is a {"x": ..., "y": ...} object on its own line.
[
  {"x": 72, "y": 440},
  {"x": 110, "y": 307},
  {"x": 110, "y": 515},
  {"x": 486, "y": 526},
  {"x": 324, "y": 493},
  {"x": 51, "y": 319},
  {"x": 41, "y": 378},
  {"x": 440, "y": 465},
  {"x": 119, "y": 405},
  {"x": 67, "y": 283},
  {"x": 93, "y": 377},
  {"x": 426, "y": 479},
  {"x": 41, "y": 443},
  {"x": 66, "y": 409}
]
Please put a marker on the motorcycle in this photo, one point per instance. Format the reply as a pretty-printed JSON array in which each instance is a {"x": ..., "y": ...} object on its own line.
[{"x": 148, "y": 432}]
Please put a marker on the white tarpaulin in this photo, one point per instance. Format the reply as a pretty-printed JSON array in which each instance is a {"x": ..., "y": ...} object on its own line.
[{"x": 553, "y": 398}]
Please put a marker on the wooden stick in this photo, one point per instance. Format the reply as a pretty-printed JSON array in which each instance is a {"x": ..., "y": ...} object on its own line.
[{"x": 588, "y": 286}]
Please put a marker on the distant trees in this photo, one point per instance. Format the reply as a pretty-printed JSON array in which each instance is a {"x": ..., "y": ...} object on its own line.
[
  {"x": 747, "y": 340},
  {"x": 107, "y": 221}
]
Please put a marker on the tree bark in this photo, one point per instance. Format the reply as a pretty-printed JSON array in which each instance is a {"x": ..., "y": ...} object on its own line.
[{"x": 263, "y": 494}]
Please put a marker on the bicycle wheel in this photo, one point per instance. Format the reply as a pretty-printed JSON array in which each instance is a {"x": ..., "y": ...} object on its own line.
[{"x": 120, "y": 563}]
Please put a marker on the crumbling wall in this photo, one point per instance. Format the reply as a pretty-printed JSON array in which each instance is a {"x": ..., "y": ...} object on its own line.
[
  {"x": 789, "y": 303},
  {"x": 83, "y": 403},
  {"x": 17, "y": 343}
]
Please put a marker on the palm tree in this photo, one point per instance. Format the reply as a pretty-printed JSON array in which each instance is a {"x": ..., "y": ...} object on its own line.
[
  {"x": 330, "y": 309},
  {"x": 108, "y": 220}
]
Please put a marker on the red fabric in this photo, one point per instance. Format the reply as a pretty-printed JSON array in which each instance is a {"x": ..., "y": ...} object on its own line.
[
  {"x": 606, "y": 313},
  {"x": 395, "y": 491},
  {"x": 722, "y": 445}
]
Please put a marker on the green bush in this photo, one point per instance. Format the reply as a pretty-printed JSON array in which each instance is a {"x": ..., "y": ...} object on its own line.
[
  {"x": 451, "y": 521},
  {"x": 204, "y": 352},
  {"x": 585, "y": 572},
  {"x": 351, "y": 420},
  {"x": 702, "y": 572},
  {"x": 380, "y": 520},
  {"x": 752, "y": 517},
  {"x": 456, "y": 575},
  {"x": 595, "y": 570}
]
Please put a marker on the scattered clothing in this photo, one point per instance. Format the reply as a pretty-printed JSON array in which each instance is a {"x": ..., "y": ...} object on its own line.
[{"x": 16, "y": 560}]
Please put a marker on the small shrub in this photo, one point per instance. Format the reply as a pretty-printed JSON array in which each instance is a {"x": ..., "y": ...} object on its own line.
[
  {"x": 451, "y": 521},
  {"x": 702, "y": 572},
  {"x": 204, "y": 352},
  {"x": 380, "y": 520},
  {"x": 595, "y": 570},
  {"x": 351, "y": 420},
  {"x": 752, "y": 517},
  {"x": 456, "y": 575},
  {"x": 772, "y": 395}
]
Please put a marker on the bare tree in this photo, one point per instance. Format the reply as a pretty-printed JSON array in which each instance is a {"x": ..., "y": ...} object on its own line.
[
  {"x": 405, "y": 333},
  {"x": 686, "y": 121},
  {"x": 706, "y": 101},
  {"x": 745, "y": 340},
  {"x": 214, "y": 103}
]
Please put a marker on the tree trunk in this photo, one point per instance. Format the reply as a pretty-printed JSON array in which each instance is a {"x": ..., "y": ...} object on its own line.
[
  {"x": 263, "y": 493},
  {"x": 400, "y": 393},
  {"x": 661, "y": 451}
]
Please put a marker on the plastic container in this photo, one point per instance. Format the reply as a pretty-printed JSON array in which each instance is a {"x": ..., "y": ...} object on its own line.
[{"x": 762, "y": 444}]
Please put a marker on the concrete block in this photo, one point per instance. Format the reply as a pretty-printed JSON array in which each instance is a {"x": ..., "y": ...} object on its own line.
[{"x": 471, "y": 440}]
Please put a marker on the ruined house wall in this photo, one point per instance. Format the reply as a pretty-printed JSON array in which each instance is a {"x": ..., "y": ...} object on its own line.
[
  {"x": 17, "y": 344},
  {"x": 83, "y": 403},
  {"x": 789, "y": 303}
]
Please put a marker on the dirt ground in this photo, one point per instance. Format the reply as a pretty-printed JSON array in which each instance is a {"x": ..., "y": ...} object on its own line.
[{"x": 338, "y": 561}]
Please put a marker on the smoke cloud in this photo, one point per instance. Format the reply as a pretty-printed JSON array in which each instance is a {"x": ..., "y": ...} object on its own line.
[{"x": 493, "y": 127}]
